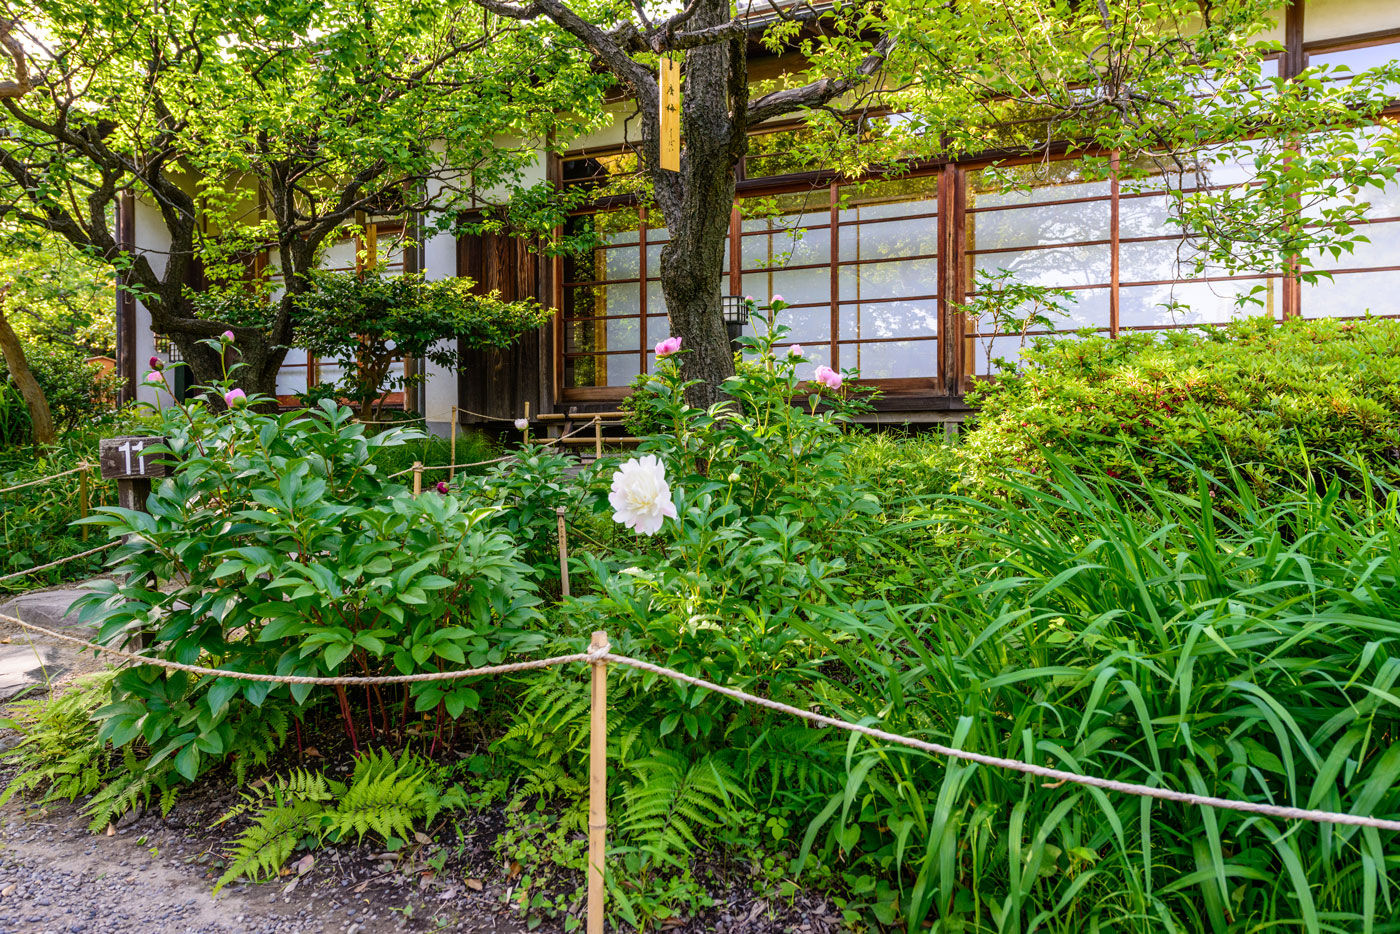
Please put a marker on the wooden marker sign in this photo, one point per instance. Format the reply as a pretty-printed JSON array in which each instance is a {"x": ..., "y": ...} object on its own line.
[
  {"x": 670, "y": 114},
  {"x": 126, "y": 461}
]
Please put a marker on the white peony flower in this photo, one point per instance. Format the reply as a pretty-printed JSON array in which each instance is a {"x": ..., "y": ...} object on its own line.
[
  {"x": 522, "y": 423},
  {"x": 641, "y": 497}
]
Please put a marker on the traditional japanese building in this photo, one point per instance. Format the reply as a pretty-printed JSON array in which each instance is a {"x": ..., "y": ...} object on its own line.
[{"x": 874, "y": 276}]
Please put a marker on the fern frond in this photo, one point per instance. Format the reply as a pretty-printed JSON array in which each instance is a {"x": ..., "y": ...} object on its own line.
[{"x": 261, "y": 850}]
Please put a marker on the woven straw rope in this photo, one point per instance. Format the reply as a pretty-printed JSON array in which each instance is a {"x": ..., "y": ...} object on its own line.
[
  {"x": 497, "y": 460},
  {"x": 19, "y": 486},
  {"x": 603, "y": 655},
  {"x": 54, "y": 564}
]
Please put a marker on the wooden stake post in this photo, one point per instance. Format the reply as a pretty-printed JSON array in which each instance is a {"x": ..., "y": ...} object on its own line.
[
  {"x": 417, "y": 477},
  {"x": 452, "y": 458},
  {"x": 83, "y": 504},
  {"x": 597, "y": 437},
  {"x": 597, "y": 786},
  {"x": 563, "y": 552}
]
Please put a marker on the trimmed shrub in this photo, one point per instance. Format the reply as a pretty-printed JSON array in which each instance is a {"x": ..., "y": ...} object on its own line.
[{"x": 1276, "y": 401}]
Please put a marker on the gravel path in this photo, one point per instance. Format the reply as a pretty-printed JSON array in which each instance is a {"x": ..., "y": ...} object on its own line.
[{"x": 56, "y": 878}]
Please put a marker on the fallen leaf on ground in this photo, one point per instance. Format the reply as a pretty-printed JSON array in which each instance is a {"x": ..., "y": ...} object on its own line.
[
  {"x": 474, "y": 884},
  {"x": 305, "y": 863}
]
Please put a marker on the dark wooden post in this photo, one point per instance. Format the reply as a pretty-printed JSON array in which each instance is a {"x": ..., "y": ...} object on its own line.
[{"x": 125, "y": 460}]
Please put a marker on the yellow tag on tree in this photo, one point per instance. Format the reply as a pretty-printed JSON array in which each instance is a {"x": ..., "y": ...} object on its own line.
[{"x": 670, "y": 114}]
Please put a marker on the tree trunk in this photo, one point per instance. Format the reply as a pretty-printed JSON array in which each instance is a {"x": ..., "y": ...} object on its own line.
[
  {"x": 40, "y": 418},
  {"x": 697, "y": 202}
]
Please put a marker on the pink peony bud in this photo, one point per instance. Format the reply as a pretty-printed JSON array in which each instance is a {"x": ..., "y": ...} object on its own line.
[
  {"x": 157, "y": 363},
  {"x": 226, "y": 337},
  {"x": 669, "y": 346},
  {"x": 828, "y": 377},
  {"x": 442, "y": 487},
  {"x": 235, "y": 397},
  {"x": 775, "y": 299},
  {"x": 795, "y": 350},
  {"x": 155, "y": 379},
  {"x": 521, "y": 424}
]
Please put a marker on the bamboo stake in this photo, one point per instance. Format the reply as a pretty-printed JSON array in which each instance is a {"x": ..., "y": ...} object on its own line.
[
  {"x": 597, "y": 787},
  {"x": 452, "y": 471},
  {"x": 526, "y": 442},
  {"x": 417, "y": 477},
  {"x": 563, "y": 552},
  {"x": 83, "y": 500},
  {"x": 597, "y": 437}
]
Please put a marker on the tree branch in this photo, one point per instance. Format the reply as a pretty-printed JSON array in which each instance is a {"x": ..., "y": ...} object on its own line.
[
  {"x": 820, "y": 92},
  {"x": 21, "y": 85}
]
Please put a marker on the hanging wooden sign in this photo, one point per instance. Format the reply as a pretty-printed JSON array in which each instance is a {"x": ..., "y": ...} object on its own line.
[{"x": 670, "y": 114}]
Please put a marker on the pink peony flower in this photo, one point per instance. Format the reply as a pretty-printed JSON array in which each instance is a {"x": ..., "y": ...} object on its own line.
[
  {"x": 442, "y": 487},
  {"x": 235, "y": 397},
  {"x": 157, "y": 363},
  {"x": 795, "y": 350},
  {"x": 155, "y": 379},
  {"x": 828, "y": 377},
  {"x": 669, "y": 346},
  {"x": 226, "y": 337}
]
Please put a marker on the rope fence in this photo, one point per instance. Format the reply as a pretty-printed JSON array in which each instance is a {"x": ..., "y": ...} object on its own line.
[
  {"x": 54, "y": 564},
  {"x": 424, "y": 468},
  {"x": 600, "y": 655},
  {"x": 20, "y": 486},
  {"x": 603, "y": 653}
]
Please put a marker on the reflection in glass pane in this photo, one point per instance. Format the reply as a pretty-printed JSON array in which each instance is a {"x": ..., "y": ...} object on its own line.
[
  {"x": 1188, "y": 303},
  {"x": 658, "y": 329},
  {"x": 800, "y": 209},
  {"x": 1057, "y": 267},
  {"x": 889, "y": 319},
  {"x": 897, "y": 197},
  {"x": 602, "y": 335},
  {"x": 891, "y": 359},
  {"x": 1084, "y": 309},
  {"x": 585, "y": 301},
  {"x": 889, "y": 238},
  {"x": 1346, "y": 64},
  {"x": 899, "y": 279},
  {"x": 996, "y": 348},
  {"x": 656, "y": 299},
  {"x": 1037, "y": 182},
  {"x": 1154, "y": 260},
  {"x": 601, "y": 370},
  {"x": 1037, "y": 226},
  {"x": 803, "y": 324},
  {"x": 796, "y": 286},
  {"x": 795, "y": 246},
  {"x": 1353, "y": 295},
  {"x": 1383, "y": 249},
  {"x": 1146, "y": 216}
]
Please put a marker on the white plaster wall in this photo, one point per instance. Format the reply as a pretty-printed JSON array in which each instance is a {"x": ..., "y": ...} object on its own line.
[
  {"x": 149, "y": 235},
  {"x": 440, "y": 387},
  {"x": 1333, "y": 19}
]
